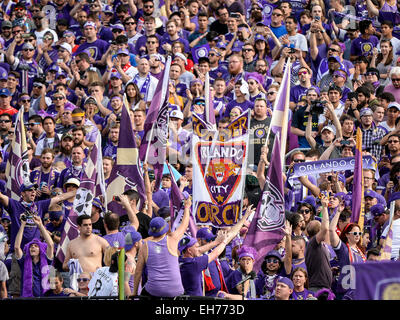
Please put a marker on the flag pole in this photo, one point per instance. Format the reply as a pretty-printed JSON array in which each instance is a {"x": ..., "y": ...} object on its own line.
[{"x": 245, "y": 167}]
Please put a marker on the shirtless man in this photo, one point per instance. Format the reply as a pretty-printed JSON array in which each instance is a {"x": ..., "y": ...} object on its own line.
[{"x": 88, "y": 248}]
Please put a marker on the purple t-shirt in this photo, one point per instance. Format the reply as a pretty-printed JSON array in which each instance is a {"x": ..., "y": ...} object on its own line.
[
  {"x": 191, "y": 274},
  {"x": 363, "y": 47},
  {"x": 243, "y": 105},
  {"x": 297, "y": 92},
  {"x": 31, "y": 231}
]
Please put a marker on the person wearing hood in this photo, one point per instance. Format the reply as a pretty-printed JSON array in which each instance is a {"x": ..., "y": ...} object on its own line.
[{"x": 34, "y": 260}]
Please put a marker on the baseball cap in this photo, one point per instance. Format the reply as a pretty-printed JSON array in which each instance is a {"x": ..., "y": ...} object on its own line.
[
  {"x": 123, "y": 51},
  {"x": 67, "y": 135},
  {"x": 328, "y": 128},
  {"x": 176, "y": 114},
  {"x": 205, "y": 234},
  {"x": 90, "y": 24},
  {"x": 66, "y": 46},
  {"x": 73, "y": 181},
  {"x": 6, "y": 23},
  {"x": 394, "y": 105},
  {"x": 366, "y": 112},
  {"x": 28, "y": 45},
  {"x": 90, "y": 99},
  {"x": 131, "y": 238},
  {"x": 186, "y": 242},
  {"x": 25, "y": 187},
  {"x": 5, "y": 92}
]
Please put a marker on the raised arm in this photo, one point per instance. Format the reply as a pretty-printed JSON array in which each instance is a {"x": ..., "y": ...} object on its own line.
[
  {"x": 307, "y": 183},
  {"x": 261, "y": 167},
  {"x": 131, "y": 214},
  {"x": 18, "y": 239},
  {"x": 333, "y": 236},
  {"x": 149, "y": 194},
  {"x": 323, "y": 232},
  {"x": 287, "y": 260},
  {"x": 178, "y": 233},
  {"x": 62, "y": 197},
  {"x": 310, "y": 139},
  {"x": 46, "y": 236}
]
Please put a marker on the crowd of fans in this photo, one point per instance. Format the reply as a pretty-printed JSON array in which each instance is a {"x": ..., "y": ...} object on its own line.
[{"x": 72, "y": 66}]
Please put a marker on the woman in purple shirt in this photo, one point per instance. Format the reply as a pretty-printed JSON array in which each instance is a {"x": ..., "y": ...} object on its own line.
[{"x": 159, "y": 254}]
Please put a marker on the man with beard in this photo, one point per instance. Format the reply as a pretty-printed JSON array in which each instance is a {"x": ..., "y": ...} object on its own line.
[
  {"x": 76, "y": 169},
  {"x": 294, "y": 257},
  {"x": 236, "y": 72},
  {"x": 34, "y": 130},
  {"x": 6, "y": 32},
  {"x": 217, "y": 70},
  {"x": 110, "y": 148},
  {"x": 66, "y": 144},
  {"x": 150, "y": 30},
  {"x": 90, "y": 129},
  {"x": 299, "y": 91},
  {"x": 334, "y": 64},
  {"x": 42, "y": 28},
  {"x": 220, "y": 25},
  {"x": 45, "y": 176}
]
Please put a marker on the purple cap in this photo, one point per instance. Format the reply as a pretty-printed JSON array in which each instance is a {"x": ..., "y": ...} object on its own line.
[
  {"x": 205, "y": 234},
  {"x": 370, "y": 193},
  {"x": 310, "y": 200},
  {"x": 131, "y": 238},
  {"x": 123, "y": 51},
  {"x": 246, "y": 251},
  {"x": 55, "y": 215},
  {"x": 259, "y": 37},
  {"x": 29, "y": 186},
  {"x": 286, "y": 281},
  {"x": 186, "y": 242},
  {"x": 377, "y": 210},
  {"x": 394, "y": 196},
  {"x": 115, "y": 75},
  {"x": 158, "y": 227}
]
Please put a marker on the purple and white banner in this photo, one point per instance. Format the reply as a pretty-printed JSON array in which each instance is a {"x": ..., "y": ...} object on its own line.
[{"x": 219, "y": 169}]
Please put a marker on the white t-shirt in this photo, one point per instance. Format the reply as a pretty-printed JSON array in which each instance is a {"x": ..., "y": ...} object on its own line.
[
  {"x": 299, "y": 41},
  {"x": 40, "y": 145},
  {"x": 396, "y": 238},
  {"x": 103, "y": 283}
]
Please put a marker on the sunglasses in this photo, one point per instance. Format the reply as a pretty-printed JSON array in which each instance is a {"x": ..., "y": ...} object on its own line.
[
  {"x": 272, "y": 260},
  {"x": 304, "y": 211},
  {"x": 57, "y": 98},
  {"x": 6, "y": 28},
  {"x": 356, "y": 233},
  {"x": 148, "y": 7},
  {"x": 47, "y": 38},
  {"x": 277, "y": 14},
  {"x": 77, "y": 61},
  {"x": 29, "y": 49},
  {"x": 371, "y": 74},
  {"x": 26, "y": 100},
  {"x": 116, "y": 31},
  {"x": 77, "y": 122},
  {"x": 19, "y": 9},
  {"x": 82, "y": 279},
  {"x": 393, "y": 141},
  {"x": 333, "y": 50},
  {"x": 151, "y": 42},
  {"x": 299, "y": 160},
  {"x": 395, "y": 79},
  {"x": 271, "y": 93},
  {"x": 247, "y": 49},
  {"x": 129, "y": 23},
  {"x": 303, "y": 73},
  {"x": 16, "y": 31},
  {"x": 5, "y": 121},
  {"x": 28, "y": 40}
]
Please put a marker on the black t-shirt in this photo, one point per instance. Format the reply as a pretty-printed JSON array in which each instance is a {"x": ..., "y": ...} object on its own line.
[
  {"x": 98, "y": 227},
  {"x": 144, "y": 223},
  {"x": 258, "y": 135},
  {"x": 219, "y": 27},
  {"x": 318, "y": 265}
]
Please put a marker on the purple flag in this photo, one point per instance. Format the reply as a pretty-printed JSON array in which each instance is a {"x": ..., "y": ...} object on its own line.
[
  {"x": 265, "y": 230},
  {"x": 126, "y": 173},
  {"x": 376, "y": 281},
  {"x": 17, "y": 168},
  {"x": 200, "y": 52},
  {"x": 153, "y": 146},
  {"x": 280, "y": 113},
  {"x": 69, "y": 233}
]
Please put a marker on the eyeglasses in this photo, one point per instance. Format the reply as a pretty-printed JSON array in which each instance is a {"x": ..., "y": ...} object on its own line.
[
  {"x": 304, "y": 211},
  {"x": 272, "y": 260},
  {"x": 299, "y": 160},
  {"x": 5, "y": 121},
  {"x": 57, "y": 98},
  {"x": 82, "y": 279},
  {"x": 356, "y": 233},
  {"x": 271, "y": 93},
  {"x": 31, "y": 124},
  {"x": 371, "y": 74},
  {"x": 393, "y": 141}
]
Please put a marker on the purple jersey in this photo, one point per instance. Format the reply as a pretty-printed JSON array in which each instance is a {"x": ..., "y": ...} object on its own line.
[
  {"x": 363, "y": 47},
  {"x": 191, "y": 273}
]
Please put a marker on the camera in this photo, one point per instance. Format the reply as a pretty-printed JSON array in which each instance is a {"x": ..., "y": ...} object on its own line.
[
  {"x": 292, "y": 50},
  {"x": 317, "y": 106},
  {"x": 91, "y": 1},
  {"x": 345, "y": 142},
  {"x": 235, "y": 15},
  {"x": 116, "y": 198},
  {"x": 27, "y": 215}
]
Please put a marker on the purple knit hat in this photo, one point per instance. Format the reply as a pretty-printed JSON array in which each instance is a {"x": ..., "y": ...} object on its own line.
[{"x": 246, "y": 251}]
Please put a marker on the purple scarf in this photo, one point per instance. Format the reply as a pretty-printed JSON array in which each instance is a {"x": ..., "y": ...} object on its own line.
[{"x": 28, "y": 274}]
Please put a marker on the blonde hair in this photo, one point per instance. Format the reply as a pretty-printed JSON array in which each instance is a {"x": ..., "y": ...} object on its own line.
[{"x": 108, "y": 254}]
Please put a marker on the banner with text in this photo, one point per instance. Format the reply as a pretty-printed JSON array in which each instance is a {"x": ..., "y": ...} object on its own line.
[{"x": 219, "y": 171}]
